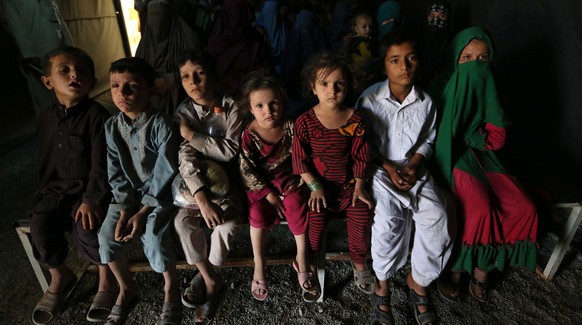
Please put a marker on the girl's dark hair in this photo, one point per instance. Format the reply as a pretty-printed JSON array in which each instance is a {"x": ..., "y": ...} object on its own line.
[
  {"x": 77, "y": 53},
  {"x": 137, "y": 66},
  {"x": 257, "y": 80},
  {"x": 322, "y": 64},
  {"x": 396, "y": 37}
]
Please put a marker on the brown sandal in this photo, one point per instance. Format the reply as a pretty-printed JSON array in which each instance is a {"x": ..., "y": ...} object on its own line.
[{"x": 482, "y": 285}]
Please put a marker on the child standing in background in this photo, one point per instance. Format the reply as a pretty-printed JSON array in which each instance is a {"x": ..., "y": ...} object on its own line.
[
  {"x": 272, "y": 190},
  {"x": 74, "y": 192},
  {"x": 221, "y": 214},
  {"x": 330, "y": 152},
  {"x": 141, "y": 161}
]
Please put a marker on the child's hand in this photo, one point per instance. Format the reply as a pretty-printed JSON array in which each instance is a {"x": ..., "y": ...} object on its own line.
[
  {"x": 360, "y": 193},
  {"x": 211, "y": 212},
  {"x": 133, "y": 226},
  {"x": 88, "y": 215},
  {"x": 277, "y": 203},
  {"x": 317, "y": 201},
  {"x": 408, "y": 174},
  {"x": 121, "y": 229},
  {"x": 396, "y": 178},
  {"x": 185, "y": 131}
]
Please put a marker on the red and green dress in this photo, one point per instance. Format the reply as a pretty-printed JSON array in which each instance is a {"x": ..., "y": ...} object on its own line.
[{"x": 497, "y": 220}]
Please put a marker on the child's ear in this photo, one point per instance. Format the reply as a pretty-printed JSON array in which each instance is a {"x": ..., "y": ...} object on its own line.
[{"x": 46, "y": 81}]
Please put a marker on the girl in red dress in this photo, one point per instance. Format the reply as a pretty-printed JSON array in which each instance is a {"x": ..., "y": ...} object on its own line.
[
  {"x": 273, "y": 191},
  {"x": 330, "y": 152}
]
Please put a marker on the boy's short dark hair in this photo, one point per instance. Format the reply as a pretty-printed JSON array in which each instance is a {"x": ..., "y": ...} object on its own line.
[
  {"x": 199, "y": 57},
  {"x": 75, "y": 52},
  {"x": 396, "y": 37},
  {"x": 257, "y": 80},
  {"x": 137, "y": 66}
]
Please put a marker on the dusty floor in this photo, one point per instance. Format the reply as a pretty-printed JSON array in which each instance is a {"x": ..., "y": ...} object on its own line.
[{"x": 517, "y": 296}]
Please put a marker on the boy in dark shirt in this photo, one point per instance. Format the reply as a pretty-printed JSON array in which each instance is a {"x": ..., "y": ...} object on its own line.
[{"x": 73, "y": 176}]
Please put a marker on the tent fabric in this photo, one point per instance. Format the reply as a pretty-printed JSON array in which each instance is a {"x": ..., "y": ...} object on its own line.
[{"x": 94, "y": 28}]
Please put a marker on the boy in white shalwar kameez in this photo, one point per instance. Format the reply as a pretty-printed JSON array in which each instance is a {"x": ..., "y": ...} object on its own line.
[{"x": 402, "y": 122}]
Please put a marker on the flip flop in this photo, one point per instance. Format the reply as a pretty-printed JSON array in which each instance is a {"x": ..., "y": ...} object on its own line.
[
  {"x": 257, "y": 286},
  {"x": 120, "y": 313},
  {"x": 310, "y": 293},
  {"x": 101, "y": 306},
  {"x": 446, "y": 295},
  {"x": 205, "y": 313},
  {"x": 482, "y": 285},
  {"x": 195, "y": 294},
  {"x": 171, "y": 313},
  {"x": 52, "y": 303}
]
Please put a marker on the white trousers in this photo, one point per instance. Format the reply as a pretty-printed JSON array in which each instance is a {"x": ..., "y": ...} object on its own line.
[{"x": 395, "y": 212}]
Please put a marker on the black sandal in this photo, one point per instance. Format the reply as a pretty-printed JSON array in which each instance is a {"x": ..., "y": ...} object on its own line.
[
  {"x": 417, "y": 300},
  {"x": 482, "y": 285},
  {"x": 378, "y": 316}
]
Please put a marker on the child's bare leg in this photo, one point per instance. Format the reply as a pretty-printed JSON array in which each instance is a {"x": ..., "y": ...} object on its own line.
[
  {"x": 360, "y": 266},
  {"x": 302, "y": 252},
  {"x": 127, "y": 289},
  {"x": 60, "y": 277},
  {"x": 212, "y": 279},
  {"x": 171, "y": 285},
  {"x": 106, "y": 279},
  {"x": 258, "y": 242}
]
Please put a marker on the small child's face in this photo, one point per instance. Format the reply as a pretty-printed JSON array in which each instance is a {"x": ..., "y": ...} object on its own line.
[
  {"x": 401, "y": 63},
  {"x": 69, "y": 78},
  {"x": 362, "y": 26},
  {"x": 130, "y": 93},
  {"x": 331, "y": 90},
  {"x": 476, "y": 50},
  {"x": 267, "y": 108},
  {"x": 195, "y": 82}
]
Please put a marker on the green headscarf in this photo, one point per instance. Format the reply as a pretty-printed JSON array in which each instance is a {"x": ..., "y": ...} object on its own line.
[{"x": 468, "y": 99}]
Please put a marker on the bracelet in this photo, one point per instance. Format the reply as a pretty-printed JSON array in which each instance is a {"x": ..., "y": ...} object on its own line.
[{"x": 315, "y": 185}]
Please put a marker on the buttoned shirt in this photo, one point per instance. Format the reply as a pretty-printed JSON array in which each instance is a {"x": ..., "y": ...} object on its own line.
[
  {"x": 72, "y": 152},
  {"x": 398, "y": 130},
  {"x": 141, "y": 158}
]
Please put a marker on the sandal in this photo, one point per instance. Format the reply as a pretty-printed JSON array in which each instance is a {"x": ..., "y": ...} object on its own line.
[
  {"x": 482, "y": 285},
  {"x": 120, "y": 313},
  {"x": 309, "y": 284},
  {"x": 379, "y": 316},
  {"x": 417, "y": 300},
  {"x": 101, "y": 306},
  {"x": 171, "y": 313},
  {"x": 445, "y": 294},
  {"x": 257, "y": 286},
  {"x": 195, "y": 294},
  {"x": 52, "y": 303},
  {"x": 204, "y": 314},
  {"x": 364, "y": 280}
]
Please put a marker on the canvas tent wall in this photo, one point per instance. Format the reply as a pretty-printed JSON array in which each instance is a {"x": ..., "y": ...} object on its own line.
[{"x": 94, "y": 27}]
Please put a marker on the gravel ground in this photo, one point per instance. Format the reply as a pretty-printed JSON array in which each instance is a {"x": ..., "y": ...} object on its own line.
[{"x": 516, "y": 297}]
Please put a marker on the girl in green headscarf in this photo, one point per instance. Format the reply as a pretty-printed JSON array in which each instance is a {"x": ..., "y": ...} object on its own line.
[{"x": 497, "y": 221}]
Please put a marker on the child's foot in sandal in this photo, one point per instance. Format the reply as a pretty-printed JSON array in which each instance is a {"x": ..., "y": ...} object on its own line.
[
  {"x": 309, "y": 284},
  {"x": 423, "y": 309},
  {"x": 260, "y": 289},
  {"x": 478, "y": 289},
  {"x": 381, "y": 311},
  {"x": 364, "y": 279}
]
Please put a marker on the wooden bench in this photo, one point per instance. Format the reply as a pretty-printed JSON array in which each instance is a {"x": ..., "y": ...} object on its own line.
[{"x": 22, "y": 228}]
